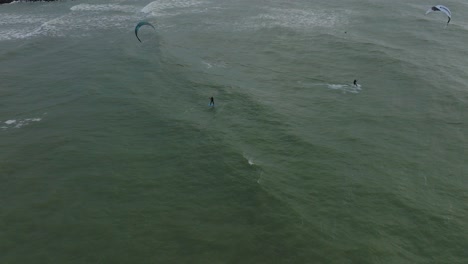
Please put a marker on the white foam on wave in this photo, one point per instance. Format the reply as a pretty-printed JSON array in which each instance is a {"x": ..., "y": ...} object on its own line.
[
  {"x": 19, "y": 26},
  {"x": 15, "y": 19},
  {"x": 104, "y": 7},
  {"x": 56, "y": 27},
  {"x": 12, "y": 123},
  {"x": 346, "y": 88},
  {"x": 51, "y": 27},
  {"x": 297, "y": 19},
  {"x": 65, "y": 26},
  {"x": 208, "y": 65},
  {"x": 249, "y": 159},
  {"x": 214, "y": 64},
  {"x": 13, "y": 34},
  {"x": 164, "y": 7},
  {"x": 81, "y": 21}
]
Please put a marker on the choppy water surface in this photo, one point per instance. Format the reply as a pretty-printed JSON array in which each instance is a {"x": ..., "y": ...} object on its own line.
[{"x": 110, "y": 153}]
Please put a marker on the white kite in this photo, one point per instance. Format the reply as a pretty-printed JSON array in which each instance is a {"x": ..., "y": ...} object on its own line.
[{"x": 441, "y": 8}]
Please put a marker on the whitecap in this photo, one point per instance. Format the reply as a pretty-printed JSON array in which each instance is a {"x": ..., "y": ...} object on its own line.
[
  {"x": 296, "y": 19},
  {"x": 20, "y": 123},
  {"x": 104, "y": 7},
  {"x": 157, "y": 8},
  {"x": 208, "y": 65},
  {"x": 249, "y": 159}
]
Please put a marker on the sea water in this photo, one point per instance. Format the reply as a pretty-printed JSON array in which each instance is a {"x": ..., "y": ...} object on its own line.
[{"x": 110, "y": 154}]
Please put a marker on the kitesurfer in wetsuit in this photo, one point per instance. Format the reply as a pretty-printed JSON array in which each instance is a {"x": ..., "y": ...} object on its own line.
[
  {"x": 355, "y": 82},
  {"x": 211, "y": 101}
]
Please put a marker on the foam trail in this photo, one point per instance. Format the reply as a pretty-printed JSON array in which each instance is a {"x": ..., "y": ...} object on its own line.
[{"x": 346, "y": 88}]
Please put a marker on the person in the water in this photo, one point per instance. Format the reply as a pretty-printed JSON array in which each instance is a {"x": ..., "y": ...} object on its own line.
[
  {"x": 211, "y": 101},
  {"x": 355, "y": 82}
]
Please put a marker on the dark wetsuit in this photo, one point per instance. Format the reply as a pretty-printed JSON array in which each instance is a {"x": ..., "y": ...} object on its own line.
[
  {"x": 211, "y": 101},
  {"x": 355, "y": 82}
]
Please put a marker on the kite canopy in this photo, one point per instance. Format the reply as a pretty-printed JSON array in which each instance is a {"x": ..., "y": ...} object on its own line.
[
  {"x": 139, "y": 25},
  {"x": 441, "y": 8}
]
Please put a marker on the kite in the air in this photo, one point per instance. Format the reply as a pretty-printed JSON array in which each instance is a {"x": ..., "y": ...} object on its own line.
[
  {"x": 443, "y": 9},
  {"x": 138, "y": 26}
]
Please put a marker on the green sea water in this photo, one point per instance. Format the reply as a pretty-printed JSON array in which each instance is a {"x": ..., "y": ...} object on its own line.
[{"x": 109, "y": 152}]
